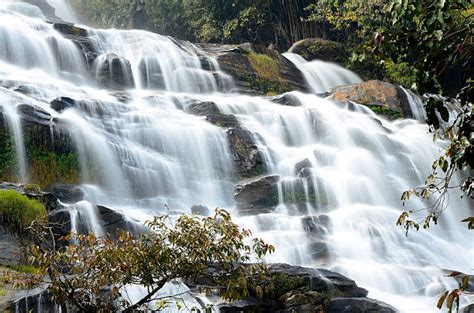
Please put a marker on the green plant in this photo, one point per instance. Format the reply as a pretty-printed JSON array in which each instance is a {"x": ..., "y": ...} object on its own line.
[
  {"x": 17, "y": 211},
  {"x": 209, "y": 249},
  {"x": 32, "y": 188}
]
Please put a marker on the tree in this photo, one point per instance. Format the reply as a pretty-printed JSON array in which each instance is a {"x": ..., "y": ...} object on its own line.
[{"x": 91, "y": 273}]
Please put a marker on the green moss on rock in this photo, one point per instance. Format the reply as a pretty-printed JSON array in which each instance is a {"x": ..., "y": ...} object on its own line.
[{"x": 18, "y": 211}]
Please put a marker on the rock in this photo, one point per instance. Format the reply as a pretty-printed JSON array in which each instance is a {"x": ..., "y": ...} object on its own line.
[
  {"x": 258, "y": 195},
  {"x": 223, "y": 120},
  {"x": 45, "y": 7},
  {"x": 320, "y": 280},
  {"x": 110, "y": 221},
  {"x": 248, "y": 305},
  {"x": 321, "y": 49},
  {"x": 151, "y": 73},
  {"x": 239, "y": 62},
  {"x": 33, "y": 115},
  {"x": 113, "y": 72},
  {"x": 303, "y": 164},
  {"x": 11, "y": 250},
  {"x": 317, "y": 225},
  {"x": 38, "y": 299},
  {"x": 382, "y": 97},
  {"x": 70, "y": 29},
  {"x": 62, "y": 103},
  {"x": 287, "y": 99},
  {"x": 200, "y": 210},
  {"x": 247, "y": 156},
  {"x": 299, "y": 301},
  {"x": 203, "y": 108},
  {"x": 359, "y": 305},
  {"x": 68, "y": 193},
  {"x": 467, "y": 309}
]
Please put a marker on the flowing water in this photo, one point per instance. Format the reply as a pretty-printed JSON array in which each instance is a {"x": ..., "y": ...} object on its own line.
[
  {"x": 322, "y": 76},
  {"x": 141, "y": 151}
]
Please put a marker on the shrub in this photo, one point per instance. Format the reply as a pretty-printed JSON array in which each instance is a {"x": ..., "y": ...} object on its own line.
[{"x": 18, "y": 211}]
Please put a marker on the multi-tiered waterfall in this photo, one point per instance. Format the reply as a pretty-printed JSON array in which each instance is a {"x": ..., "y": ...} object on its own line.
[{"x": 339, "y": 169}]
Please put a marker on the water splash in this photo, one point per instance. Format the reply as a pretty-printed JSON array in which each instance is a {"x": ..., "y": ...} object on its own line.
[{"x": 323, "y": 76}]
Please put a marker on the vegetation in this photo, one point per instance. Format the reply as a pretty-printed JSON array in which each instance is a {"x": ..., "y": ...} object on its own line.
[
  {"x": 18, "y": 211},
  {"x": 92, "y": 273},
  {"x": 265, "y": 22}
]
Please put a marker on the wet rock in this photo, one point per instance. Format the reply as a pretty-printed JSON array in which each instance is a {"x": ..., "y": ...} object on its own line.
[
  {"x": 299, "y": 301},
  {"x": 359, "y": 305},
  {"x": 317, "y": 225},
  {"x": 200, "y": 210},
  {"x": 11, "y": 250},
  {"x": 114, "y": 72},
  {"x": 303, "y": 164},
  {"x": 33, "y": 115},
  {"x": 247, "y": 156},
  {"x": 248, "y": 305},
  {"x": 467, "y": 309},
  {"x": 70, "y": 29},
  {"x": 68, "y": 193},
  {"x": 62, "y": 103},
  {"x": 39, "y": 299},
  {"x": 317, "y": 48},
  {"x": 320, "y": 280},
  {"x": 236, "y": 60},
  {"x": 223, "y": 120},
  {"x": 203, "y": 108},
  {"x": 151, "y": 73},
  {"x": 287, "y": 99},
  {"x": 258, "y": 195},
  {"x": 45, "y": 7}
]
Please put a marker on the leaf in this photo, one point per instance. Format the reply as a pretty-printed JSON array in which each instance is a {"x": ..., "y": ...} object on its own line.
[{"x": 441, "y": 299}]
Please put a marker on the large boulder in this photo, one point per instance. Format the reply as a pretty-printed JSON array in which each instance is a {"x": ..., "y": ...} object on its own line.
[
  {"x": 320, "y": 49},
  {"x": 248, "y": 158},
  {"x": 257, "y": 195},
  {"x": 359, "y": 305},
  {"x": 383, "y": 98},
  {"x": 257, "y": 70}
]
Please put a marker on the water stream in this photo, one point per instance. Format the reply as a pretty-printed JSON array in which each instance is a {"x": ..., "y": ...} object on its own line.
[{"x": 141, "y": 151}]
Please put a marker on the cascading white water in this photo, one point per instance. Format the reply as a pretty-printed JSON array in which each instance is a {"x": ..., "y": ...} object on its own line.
[
  {"x": 142, "y": 150},
  {"x": 322, "y": 76},
  {"x": 14, "y": 123},
  {"x": 64, "y": 10}
]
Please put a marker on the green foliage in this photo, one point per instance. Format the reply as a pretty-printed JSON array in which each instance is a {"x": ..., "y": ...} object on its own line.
[
  {"x": 47, "y": 168},
  {"x": 8, "y": 166},
  {"x": 18, "y": 211},
  {"x": 268, "y": 78},
  {"x": 388, "y": 113},
  {"x": 32, "y": 188},
  {"x": 186, "y": 248}
]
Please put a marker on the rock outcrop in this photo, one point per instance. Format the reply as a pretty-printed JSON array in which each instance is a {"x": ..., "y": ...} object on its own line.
[
  {"x": 248, "y": 158},
  {"x": 320, "y": 49},
  {"x": 113, "y": 72},
  {"x": 257, "y": 195},
  {"x": 257, "y": 70},
  {"x": 383, "y": 98}
]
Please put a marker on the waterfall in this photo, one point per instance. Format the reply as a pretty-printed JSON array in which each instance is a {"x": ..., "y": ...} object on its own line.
[
  {"x": 64, "y": 10},
  {"x": 322, "y": 76},
  {"x": 14, "y": 123},
  {"x": 142, "y": 148}
]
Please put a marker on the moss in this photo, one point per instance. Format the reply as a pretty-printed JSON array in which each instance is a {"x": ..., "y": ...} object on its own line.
[
  {"x": 32, "y": 188},
  {"x": 268, "y": 77},
  {"x": 48, "y": 168},
  {"x": 386, "y": 112},
  {"x": 8, "y": 165},
  {"x": 18, "y": 211},
  {"x": 24, "y": 269}
]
